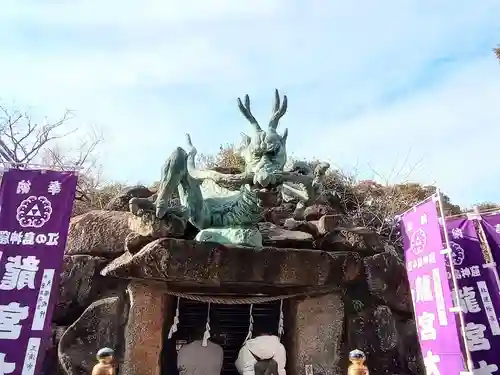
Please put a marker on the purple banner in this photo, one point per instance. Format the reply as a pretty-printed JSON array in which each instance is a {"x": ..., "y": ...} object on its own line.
[
  {"x": 436, "y": 325},
  {"x": 491, "y": 226},
  {"x": 478, "y": 295},
  {"x": 34, "y": 218}
]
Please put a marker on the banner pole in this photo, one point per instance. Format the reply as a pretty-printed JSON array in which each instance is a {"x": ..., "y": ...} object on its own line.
[
  {"x": 470, "y": 364},
  {"x": 63, "y": 167},
  {"x": 490, "y": 262}
]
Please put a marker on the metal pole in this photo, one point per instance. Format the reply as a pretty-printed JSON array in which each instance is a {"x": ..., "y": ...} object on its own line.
[
  {"x": 490, "y": 262},
  {"x": 470, "y": 364}
]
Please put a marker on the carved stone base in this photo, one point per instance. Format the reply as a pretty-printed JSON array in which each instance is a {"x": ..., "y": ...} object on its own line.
[
  {"x": 231, "y": 236},
  {"x": 149, "y": 225}
]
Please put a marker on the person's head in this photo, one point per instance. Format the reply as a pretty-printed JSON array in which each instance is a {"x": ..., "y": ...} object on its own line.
[
  {"x": 197, "y": 334},
  {"x": 105, "y": 355},
  {"x": 263, "y": 331}
]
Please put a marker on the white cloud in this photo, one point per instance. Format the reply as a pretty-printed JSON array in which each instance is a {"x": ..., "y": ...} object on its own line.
[
  {"x": 450, "y": 131},
  {"x": 148, "y": 71},
  {"x": 134, "y": 14}
]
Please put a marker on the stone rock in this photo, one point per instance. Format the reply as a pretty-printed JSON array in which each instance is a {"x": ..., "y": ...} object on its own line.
[
  {"x": 144, "y": 330},
  {"x": 378, "y": 323},
  {"x": 209, "y": 264},
  {"x": 389, "y": 340},
  {"x": 370, "y": 239},
  {"x": 316, "y": 211},
  {"x": 298, "y": 212},
  {"x": 354, "y": 236},
  {"x": 231, "y": 236},
  {"x": 334, "y": 241},
  {"x": 333, "y": 200},
  {"x": 374, "y": 332},
  {"x": 327, "y": 223},
  {"x": 278, "y": 215},
  {"x": 277, "y": 237},
  {"x": 58, "y": 331},
  {"x": 149, "y": 225},
  {"x": 357, "y": 298},
  {"x": 80, "y": 285},
  {"x": 120, "y": 202},
  {"x": 98, "y": 233},
  {"x": 100, "y": 325},
  {"x": 134, "y": 242},
  {"x": 387, "y": 279},
  {"x": 350, "y": 239},
  {"x": 50, "y": 365},
  {"x": 359, "y": 331},
  {"x": 50, "y": 362},
  {"x": 385, "y": 340},
  {"x": 353, "y": 268},
  {"x": 385, "y": 327},
  {"x": 318, "y": 335},
  {"x": 302, "y": 226},
  {"x": 410, "y": 355},
  {"x": 317, "y": 228}
]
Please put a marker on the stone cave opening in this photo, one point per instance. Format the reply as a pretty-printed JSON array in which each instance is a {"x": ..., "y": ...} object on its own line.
[{"x": 229, "y": 328}]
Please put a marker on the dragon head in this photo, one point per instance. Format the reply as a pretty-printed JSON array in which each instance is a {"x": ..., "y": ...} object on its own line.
[{"x": 264, "y": 151}]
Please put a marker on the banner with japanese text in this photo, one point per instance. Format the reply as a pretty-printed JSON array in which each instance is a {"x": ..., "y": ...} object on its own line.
[
  {"x": 491, "y": 226},
  {"x": 478, "y": 293},
  {"x": 34, "y": 219},
  {"x": 427, "y": 275}
]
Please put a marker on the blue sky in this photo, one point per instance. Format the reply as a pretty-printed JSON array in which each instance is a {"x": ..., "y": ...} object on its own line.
[{"x": 391, "y": 86}]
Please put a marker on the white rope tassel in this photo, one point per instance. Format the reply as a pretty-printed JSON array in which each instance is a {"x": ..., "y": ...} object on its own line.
[
  {"x": 280, "y": 323},
  {"x": 175, "y": 324},
  {"x": 250, "y": 324},
  {"x": 206, "y": 335}
]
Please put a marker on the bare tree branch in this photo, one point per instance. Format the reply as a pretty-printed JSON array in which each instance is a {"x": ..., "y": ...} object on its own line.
[
  {"x": 84, "y": 157},
  {"x": 22, "y": 139}
]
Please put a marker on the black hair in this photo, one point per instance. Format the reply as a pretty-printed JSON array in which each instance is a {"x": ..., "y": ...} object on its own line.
[
  {"x": 262, "y": 330},
  {"x": 197, "y": 333}
]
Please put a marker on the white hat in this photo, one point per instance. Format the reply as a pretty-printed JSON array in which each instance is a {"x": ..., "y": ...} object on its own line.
[{"x": 356, "y": 353}]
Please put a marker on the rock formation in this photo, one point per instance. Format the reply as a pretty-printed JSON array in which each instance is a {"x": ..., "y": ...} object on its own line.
[
  {"x": 375, "y": 306},
  {"x": 346, "y": 286}
]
